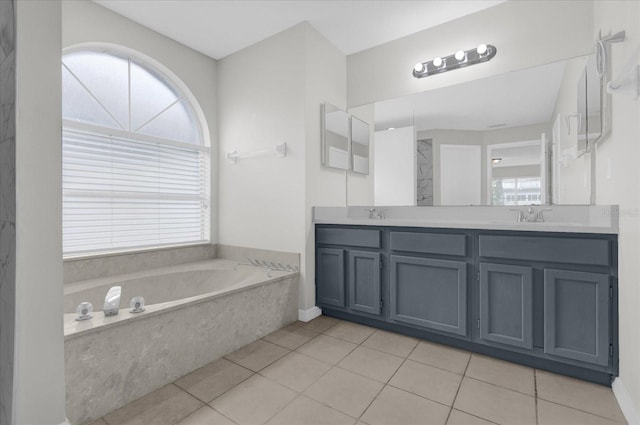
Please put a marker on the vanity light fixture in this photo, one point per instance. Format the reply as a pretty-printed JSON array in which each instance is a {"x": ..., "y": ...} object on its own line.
[
  {"x": 462, "y": 58},
  {"x": 496, "y": 160}
]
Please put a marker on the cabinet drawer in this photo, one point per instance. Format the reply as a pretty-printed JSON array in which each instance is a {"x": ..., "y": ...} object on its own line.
[
  {"x": 549, "y": 249},
  {"x": 367, "y": 238},
  {"x": 429, "y": 243}
]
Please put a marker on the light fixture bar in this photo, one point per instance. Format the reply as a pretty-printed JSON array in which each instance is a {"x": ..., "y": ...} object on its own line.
[{"x": 460, "y": 59}]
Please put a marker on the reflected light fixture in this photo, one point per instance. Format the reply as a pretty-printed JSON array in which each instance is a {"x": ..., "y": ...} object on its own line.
[
  {"x": 462, "y": 58},
  {"x": 496, "y": 160}
]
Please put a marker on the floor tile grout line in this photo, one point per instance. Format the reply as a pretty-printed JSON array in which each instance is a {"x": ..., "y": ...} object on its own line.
[
  {"x": 221, "y": 414},
  {"x": 222, "y": 393},
  {"x": 188, "y": 394},
  {"x": 435, "y": 367},
  {"x": 418, "y": 395},
  {"x": 283, "y": 407},
  {"x": 500, "y": 386},
  {"x": 198, "y": 409},
  {"x": 581, "y": 410},
  {"x": 308, "y": 386},
  {"x": 359, "y": 418},
  {"x": 288, "y": 348},
  {"x": 386, "y": 352},
  {"x": 326, "y": 405},
  {"x": 535, "y": 393},
  {"x": 475, "y": 415},
  {"x": 455, "y": 397}
]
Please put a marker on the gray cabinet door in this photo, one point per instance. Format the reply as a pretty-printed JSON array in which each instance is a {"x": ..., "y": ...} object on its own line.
[
  {"x": 364, "y": 281},
  {"x": 330, "y": 276},
  {"x": 576, "y": 315},
  {"x": 429, "y": 293},
  {"x": 506, "y": 304}
]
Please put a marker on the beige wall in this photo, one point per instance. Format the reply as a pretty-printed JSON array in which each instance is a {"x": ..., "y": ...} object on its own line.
[
  {"x": 39, "y": 392},
  {"x": 325, "y": 81},
  {"x": 618, "y": 182},
  {"x": 266, "y": 202},
  {"x": 526, "y": 33}
]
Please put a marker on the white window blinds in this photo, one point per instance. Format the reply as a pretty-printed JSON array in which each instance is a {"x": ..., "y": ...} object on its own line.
[
  {"x": 135, "y": 164},
  {"x": 121, "y": 194}
]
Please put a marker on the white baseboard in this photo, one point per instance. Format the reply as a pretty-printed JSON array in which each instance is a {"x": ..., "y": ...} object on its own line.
[
  {"x": 626, "y": 402},
  {"x": 310, "y": 314}
]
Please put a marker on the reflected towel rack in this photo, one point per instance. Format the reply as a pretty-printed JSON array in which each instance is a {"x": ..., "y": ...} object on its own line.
[
  {"x": 628, "y": 80},
  {"x": 278, "y": 150}
]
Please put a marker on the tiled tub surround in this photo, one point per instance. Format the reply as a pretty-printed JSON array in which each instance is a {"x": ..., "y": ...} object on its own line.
[
  {"x": 195, "y": 313},
  {"x": 329, "y": 371},
  {"x": 92, "y": 267}
]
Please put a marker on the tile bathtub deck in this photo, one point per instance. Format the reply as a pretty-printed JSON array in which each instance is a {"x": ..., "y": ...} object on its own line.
[{"x": 329, "y": 372}]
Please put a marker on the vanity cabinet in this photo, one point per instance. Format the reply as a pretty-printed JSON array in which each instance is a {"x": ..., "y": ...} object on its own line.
[
  {"x": 506, "y": 304},
  {"x": 364, "y": 281},
  {"x": 348, "y": 266},
  {"x": 547, "y": 300},
  {"x": 429, "y": 293},
  {"x": 330, "y": 276},
  {"x": 428, "y": 282},
  {"x": 577, "y": 309},
  {"x": 573, "y": 276}
]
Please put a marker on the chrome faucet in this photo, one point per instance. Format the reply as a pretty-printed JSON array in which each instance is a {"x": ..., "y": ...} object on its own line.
[
  {"x": 112, "y": 301},
  {"x": 531, "y": 215},
  {"x": 376, "y": 214}
]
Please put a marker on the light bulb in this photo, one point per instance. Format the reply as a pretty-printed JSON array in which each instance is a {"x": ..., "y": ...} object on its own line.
[
  {"x": 482, "y": 49},
  {"x": 438, "y": 62},
  {"x": 419, "y": 67},
  {"x": 460, "y": 55}
]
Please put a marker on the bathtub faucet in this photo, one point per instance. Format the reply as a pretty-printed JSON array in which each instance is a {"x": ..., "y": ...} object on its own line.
[{"x": 112, "y": 301}]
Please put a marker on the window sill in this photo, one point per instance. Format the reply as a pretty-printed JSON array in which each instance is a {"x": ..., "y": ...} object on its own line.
[{"x": 104, "y": 254}]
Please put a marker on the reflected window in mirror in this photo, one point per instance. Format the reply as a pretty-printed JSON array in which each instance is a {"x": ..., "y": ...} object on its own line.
[{"x": 516, "y": 191}]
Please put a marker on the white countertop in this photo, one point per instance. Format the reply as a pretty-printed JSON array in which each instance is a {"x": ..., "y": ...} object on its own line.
[{"x": 565, "y": 218}]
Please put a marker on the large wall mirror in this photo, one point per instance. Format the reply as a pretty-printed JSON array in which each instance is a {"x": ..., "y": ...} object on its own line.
[{"x": 518, "y": 138}]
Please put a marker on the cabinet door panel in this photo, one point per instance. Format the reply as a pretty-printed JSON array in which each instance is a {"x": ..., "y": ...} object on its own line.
[
  {"x": 364, "y": 281},
  {"x": 576, "y": 315},
  {"x": 506, "y": 304},
  {"x": 330, "y": 276},
  {"x": 429, "y": 293}
]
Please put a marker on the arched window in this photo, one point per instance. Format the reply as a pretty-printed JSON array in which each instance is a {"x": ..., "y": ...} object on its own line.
[{"x": 135, "y": 165}]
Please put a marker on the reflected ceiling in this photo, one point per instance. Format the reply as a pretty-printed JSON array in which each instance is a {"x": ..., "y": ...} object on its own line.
[{"x": 508, "y": 100}]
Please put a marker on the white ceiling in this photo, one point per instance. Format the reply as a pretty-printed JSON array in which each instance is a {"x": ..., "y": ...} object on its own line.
[
  {"x": 219, "y": 28},
  {"x": 514, "y": 99}
]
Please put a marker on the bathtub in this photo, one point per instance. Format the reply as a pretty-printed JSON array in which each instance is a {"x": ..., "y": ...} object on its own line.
[{"x": 194, "y": 314}]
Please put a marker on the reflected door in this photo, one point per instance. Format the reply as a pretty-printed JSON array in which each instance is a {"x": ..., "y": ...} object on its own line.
[{"x": 460, "y": 175}]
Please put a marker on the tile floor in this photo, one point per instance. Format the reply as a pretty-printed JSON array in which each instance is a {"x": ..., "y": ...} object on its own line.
[{"x": 329, "y": 371}]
